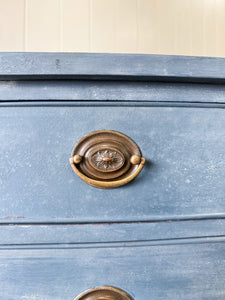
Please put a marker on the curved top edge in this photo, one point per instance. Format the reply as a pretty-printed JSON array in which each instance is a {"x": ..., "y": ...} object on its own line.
[
  {"x": 44, "y": 65},
  {"x": 84, "y": 295},
  {"x": 106, "y": 131}
]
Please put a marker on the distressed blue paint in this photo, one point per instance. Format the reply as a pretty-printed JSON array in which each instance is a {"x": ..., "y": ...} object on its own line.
[
  {"x": 122, "y": 91},
  {"x": 124, "y": 244},
  {"x": 109, "y": 104},
  {"x": 159, "y": 272},
  {"x": 111, "y": 66},
  {"x": 184, "y": 149},
  {"x": 173, "y": 108},
  {"x": 78, "y": 234}
]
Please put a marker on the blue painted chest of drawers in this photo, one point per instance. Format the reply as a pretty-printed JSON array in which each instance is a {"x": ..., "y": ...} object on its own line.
[{"x": 160, "y": 236}]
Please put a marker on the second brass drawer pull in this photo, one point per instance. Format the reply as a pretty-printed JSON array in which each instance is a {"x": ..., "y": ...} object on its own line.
[{"x": 104, "y": 293}]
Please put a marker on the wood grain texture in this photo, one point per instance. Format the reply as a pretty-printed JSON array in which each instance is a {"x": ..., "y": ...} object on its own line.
[
  {"x": 159, "y": 272},
  {"x": 183, "y": 148}
]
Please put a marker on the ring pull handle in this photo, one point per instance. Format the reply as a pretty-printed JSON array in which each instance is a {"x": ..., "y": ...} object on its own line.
[
  {"x": 106, "y": 159},
  {"x": 104, "y": 184},
  {"x": 105, "y": 298}
]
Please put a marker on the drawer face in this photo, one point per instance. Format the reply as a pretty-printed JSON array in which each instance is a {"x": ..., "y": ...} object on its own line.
[
  {"x": 172, "y": 272},
  {"x": 184, "y": 174}
]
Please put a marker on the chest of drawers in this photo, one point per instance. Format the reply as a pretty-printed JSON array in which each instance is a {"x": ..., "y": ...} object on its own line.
[{"x": 159, "y": 237}]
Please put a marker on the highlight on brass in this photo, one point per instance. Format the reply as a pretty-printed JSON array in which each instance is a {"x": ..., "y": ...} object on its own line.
[
  {"x": 106, "y": 159},
  {"x": 104, "y": 293}
]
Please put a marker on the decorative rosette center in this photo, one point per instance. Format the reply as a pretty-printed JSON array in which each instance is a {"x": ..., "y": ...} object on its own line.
[{"x": 107, "y": 159}]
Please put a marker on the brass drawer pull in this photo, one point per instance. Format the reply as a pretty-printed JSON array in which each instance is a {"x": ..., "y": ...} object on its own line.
[
  {"x": 104, "y": 293},
  {"x": 106, "y": 159}
]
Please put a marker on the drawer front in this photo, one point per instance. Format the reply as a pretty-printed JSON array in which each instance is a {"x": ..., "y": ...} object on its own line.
[
  {"x": 182, "y": 178},
  {"x": 148, "y": 272}
]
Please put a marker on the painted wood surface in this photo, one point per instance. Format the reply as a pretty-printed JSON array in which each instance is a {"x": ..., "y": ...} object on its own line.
[
  {"x": 163, "y": 235},
  {"x": 105, "y": 66},
  {"x": 159, "y": 272},
  {"x": 184, "y": 148},
  {"x": 110, "y": 92},
  {"x": 104, "y": 235},
  {"x": 186, "y": 27}
]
